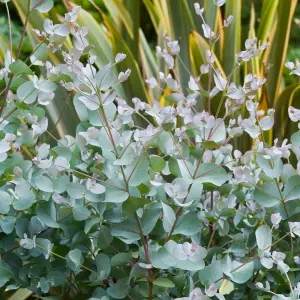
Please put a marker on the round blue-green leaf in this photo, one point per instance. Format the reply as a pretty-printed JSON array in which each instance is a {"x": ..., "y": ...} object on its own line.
[
  {"x": 81, "y": 212},
  {"x": 267, "y": 195},
  {"x": 164, "y": 282},
  {"x": 212, "y": 173},
  {"x": 5, "y": 276},
  {"x": 44, "y": 184},
  {"x": 105, "y": 237},
  {"x": 157, "y": 163},
  {"x": 121, "y": 259},
  {"x": 264, "y": 237},
  {"x": 8, "y": 224},
  {"x": 76, "y": 190},
  {"x": 4, "y": 202},
  {"x": 243, "y": 274},
  {"x": 74, "y": 259},
  {"x": 103, "y": 266},
  {"x": 119, "y": 290},
  {"x": 188, "y": 225}
]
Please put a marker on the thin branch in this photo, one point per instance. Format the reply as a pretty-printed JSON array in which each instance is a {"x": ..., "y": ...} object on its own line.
[
  {"x": 17, "y": 58},
  {"x": 10, "y": 32}
]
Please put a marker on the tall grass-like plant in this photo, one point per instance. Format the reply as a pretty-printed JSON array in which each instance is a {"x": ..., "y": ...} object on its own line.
[{"x": 146, "y": 201}]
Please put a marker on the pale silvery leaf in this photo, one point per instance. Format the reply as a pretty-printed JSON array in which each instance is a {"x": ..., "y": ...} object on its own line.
[
  {"x": 275, "y": 219},
  {"x": 169, "y": 59},
  {"x": 127, "y": 157},
  {"x": 199, "y": 11},
  {"x": 69, "y": 86},
  {"x": 219, "y": 2},
  {"x": 62, "y": 164},
  {"x": 235, "y": 93},
  {"x": 4, "y": 146},
  {"x": 294, "y": 228},
  {"x": 95, "y": 187},
  {"x": 58, "y": 29},
  {"x": 152, "y": 82},
  {"x": 45, "y": 184},
  {"x": 46, "y": 86},
  {"x": 171, "y": 83},
  {"x": 297, "y": 259},
  {"x": 168, "y": 217},
  {"x": 208, "y": 33},
  {"x": 212, "y": 290},
  {"x": 267, "y": 262},
  {"x": 108, "y": 97},
  {"x": 73, "y": 15},
  {"x": 218, "y": 132},
  {"x": 27, "y": 92},
  {"x": 294, "y": 114},
  {"x": 119, "y": 57},
  {"x": 296, "y": 71},
  {"x": 80, "y": 42},
  {"x": 44, "y": 98},
  {"x": 267, "y": 122},
  {"x": 91, "y": 101},
  {"x": 176, "y": 190},
  {"x": 210, "y": 57},
  {"x": 123, "y": 76},
  {"x": 220, "y": 81},
  {"x": 41, "y": 127},
  {"x": 61, "y": 29},
  {"x": 290, "y": 65},
  {"x": 282, "y": 267},
  {"x": 204, "y": 69},
  {"x": 173, "y": 45},
  {"x": 191, "y": 252},
  {"x": 263, "y": 237},
  {"x": 193, "y": 84},
  {"x": 28, "y": 243},
  {"x": 43, "y": 6},
  {"x": 228, "y": 21}
]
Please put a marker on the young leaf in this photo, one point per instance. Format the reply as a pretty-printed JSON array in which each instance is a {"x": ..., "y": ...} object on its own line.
[
  {"x": 168, "y": 217},
  {"x": 19, "y": 67}
]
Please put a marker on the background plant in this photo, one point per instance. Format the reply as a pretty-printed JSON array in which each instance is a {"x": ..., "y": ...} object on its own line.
[{"x": 150, "y": 201}]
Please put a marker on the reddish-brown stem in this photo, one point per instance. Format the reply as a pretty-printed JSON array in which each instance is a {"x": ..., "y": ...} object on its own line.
[
  {"x": 17, "y": 58},
  {"x": 146, "y": 250},
  {"x": 211, "y": 225}
]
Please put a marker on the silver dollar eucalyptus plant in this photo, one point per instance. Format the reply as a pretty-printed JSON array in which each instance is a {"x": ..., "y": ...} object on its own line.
[{"x": 146, "y": 201}]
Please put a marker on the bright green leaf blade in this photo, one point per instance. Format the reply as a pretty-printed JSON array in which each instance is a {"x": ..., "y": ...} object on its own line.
[
  {"x": 232, "y": 42},
  {"x": 277, "y": 57}
]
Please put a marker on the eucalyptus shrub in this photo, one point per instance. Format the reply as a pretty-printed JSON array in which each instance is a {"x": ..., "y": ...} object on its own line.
[{"x": 146, "y": 202}]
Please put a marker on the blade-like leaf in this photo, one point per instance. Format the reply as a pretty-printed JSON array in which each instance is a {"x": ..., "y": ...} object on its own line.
[
  {"x": 133, "y": 9},
  {"x": 134, "y": 86},
  {"x": 232, "y": 43},
  {"x": 119, "y": 12},
  {"x": 98, "y": 38},
  {"x": 279, "y": 48},
  {"x": 181, "y": 23},
  {"x": 198, "y": 47},
  {"x": 268, "y": 13}
]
